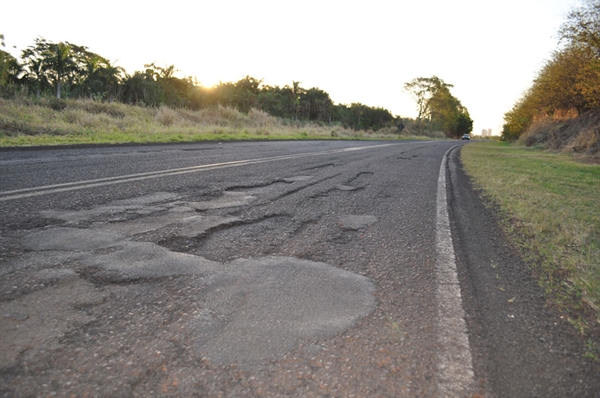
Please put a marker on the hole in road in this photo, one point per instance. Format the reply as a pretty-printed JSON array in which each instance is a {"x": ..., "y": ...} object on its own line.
[{"x": 255, "y": 239}]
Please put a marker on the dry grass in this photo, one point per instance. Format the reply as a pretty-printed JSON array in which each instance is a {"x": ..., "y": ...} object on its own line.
[
  {"x": 27, "y": 121},
  {"x": 567, "y": 133},
  {"x": 552, "y": 214}
]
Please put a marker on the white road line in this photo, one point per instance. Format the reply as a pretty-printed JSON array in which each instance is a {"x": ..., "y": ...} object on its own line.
[
  {"x": 456, "y": 378},
  {"x": 73, "y": 186}
]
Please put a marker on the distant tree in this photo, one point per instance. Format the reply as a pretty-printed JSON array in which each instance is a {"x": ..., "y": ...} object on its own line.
[
  {"x": 520, "y": 117},
  {"x": 53, "y": 62},
  {"x": 444, "y": 109},
  {"x": 422, "y": 90},
  {"x": 436, "y": 105},
  {"x": 95, "y": 73},
  {"x": 10, "y": 69},
  {"x": 111, "y": 77},
  {"x": 362, "y": 117},
  {"x": 464, "y": 124},
  {"x": 298, "y": 93},
  {"x": 315, "y": 104},
  {"x": 277, "y": 101},
  {"x": 582, "y": 27},
  {"x": 246, "y": 93},
  {"x": 4, "y": 60},
  {"x": 59, "y": 63},
  {"x": 141, "y": 88},
  {"x": 569, "y": 81},
  {"x": 35, "y": 75},
  {"x": 174, "y": 91}
]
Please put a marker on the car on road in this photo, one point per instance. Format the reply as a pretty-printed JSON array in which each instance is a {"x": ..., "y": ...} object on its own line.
[{"x": 466, "y": 137}]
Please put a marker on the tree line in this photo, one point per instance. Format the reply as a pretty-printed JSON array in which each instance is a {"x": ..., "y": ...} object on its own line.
[
  {"x": 67, "y": 70},
  {"x": 569, "y": 82}
]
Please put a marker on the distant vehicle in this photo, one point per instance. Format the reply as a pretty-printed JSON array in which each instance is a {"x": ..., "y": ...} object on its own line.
[{"x": 466, "y": 137}]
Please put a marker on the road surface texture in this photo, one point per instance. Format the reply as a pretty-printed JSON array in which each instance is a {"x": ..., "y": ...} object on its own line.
[{"x": 306, "y": 269}]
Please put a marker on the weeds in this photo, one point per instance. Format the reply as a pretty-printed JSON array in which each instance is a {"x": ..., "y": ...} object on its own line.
[{"x": 592, "y": 350}]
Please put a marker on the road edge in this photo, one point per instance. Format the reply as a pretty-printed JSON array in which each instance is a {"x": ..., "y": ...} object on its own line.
[{"x": 456, "y": 376}]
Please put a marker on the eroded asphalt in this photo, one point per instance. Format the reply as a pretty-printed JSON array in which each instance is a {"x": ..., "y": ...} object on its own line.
[{"x": 305, "y": 277}]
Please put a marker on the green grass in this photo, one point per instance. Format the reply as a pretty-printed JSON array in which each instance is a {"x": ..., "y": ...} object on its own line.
[
  {"x": 47, "y": 121},
  {"x": 551, "y": 207}
]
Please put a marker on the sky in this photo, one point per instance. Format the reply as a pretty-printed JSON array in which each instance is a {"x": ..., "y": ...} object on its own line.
[{"x": 355, "y": 50}]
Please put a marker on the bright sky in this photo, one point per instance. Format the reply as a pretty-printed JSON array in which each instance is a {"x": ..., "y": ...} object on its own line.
[{"x": 356, "y": 50}]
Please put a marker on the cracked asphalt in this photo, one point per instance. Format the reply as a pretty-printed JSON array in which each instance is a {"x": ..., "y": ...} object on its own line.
[{"x": 290, "y": 269}]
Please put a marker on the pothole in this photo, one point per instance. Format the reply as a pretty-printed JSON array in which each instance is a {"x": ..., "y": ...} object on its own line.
[
  {"x": 228, "y": 199},
  {"x": 255, "y": 239},
  {"x": 360, "y": 180}
]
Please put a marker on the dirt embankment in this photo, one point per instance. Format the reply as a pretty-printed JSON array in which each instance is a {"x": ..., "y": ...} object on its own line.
[{"x": 579, "y": 135}]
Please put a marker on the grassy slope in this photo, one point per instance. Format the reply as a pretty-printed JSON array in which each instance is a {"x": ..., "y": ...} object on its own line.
[
  {"x": 47, "y": 121},
  {"x": 552, "y": 213}
]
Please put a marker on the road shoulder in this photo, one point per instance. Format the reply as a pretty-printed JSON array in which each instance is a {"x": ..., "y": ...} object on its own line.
[{"x": 521, "y": 346}]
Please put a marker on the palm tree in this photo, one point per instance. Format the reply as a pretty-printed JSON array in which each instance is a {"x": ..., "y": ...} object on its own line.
[
  {"x": 35, "y": 76},
  {"x": 110, "y": 76},
  {"x": 59, "y": 63},
  {"x": 50, "y": 63}
]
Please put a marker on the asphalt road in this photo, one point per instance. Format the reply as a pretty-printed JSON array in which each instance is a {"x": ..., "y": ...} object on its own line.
[{"x": 266, "y": 269}]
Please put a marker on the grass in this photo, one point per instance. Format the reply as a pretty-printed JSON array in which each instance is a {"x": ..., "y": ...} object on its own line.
[
  {"x": 46, "y": 121},
  {"x": 551, "y": 207}
]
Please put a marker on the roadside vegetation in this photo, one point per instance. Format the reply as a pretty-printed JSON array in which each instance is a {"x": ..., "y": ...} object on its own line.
[
  {"x": 48, "y": 121},
  {"x": 545, "y": 176},
  {"x": 83, "y": 97},
  {"x": 68, "y": 71},
  {"x": 566, "y": 88},
  {"x": 551, "y": 213}
]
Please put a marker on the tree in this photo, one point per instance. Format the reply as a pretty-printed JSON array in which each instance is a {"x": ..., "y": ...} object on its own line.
[
  {"x": 53, "y": 62},
  {"x": 141, "y": 89},
  {"x": 35, "y": 76},
  {"x": 520, "y": 117},
  {"x": 4, "y": 61},
  {"x": 59, "y": 63},
  {"x": 7, "y": 62},
  {"x": 422, "y": 90},
  {"x": 246, "y": 92},
  {"x": 436, "y": 105},
  {"x": 11, "y": 71},
  {"x": 569, "y": 81},
  {"x": 316, "y": 105},
  {"x": 277, "y": 101},
  {"x": 298, "y": 93},
  {"x": 582, "y": 27},
  {"x": 464, "y": 124},
  {"x": 96, "y": 73}
]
